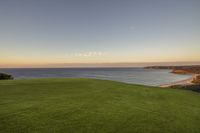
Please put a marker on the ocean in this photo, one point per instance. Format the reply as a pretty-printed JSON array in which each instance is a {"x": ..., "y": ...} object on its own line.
[{"x": 152, "y": 77}]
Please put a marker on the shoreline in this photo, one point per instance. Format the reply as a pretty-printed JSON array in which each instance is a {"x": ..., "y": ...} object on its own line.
[{"x": 181, "y": 82}]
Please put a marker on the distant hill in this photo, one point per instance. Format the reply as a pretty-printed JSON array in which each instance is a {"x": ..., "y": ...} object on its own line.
[{"x": 195, "y": 69}]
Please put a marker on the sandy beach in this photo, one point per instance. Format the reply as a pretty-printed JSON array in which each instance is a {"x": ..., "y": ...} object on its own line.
[{"x": 182, "y": 82}]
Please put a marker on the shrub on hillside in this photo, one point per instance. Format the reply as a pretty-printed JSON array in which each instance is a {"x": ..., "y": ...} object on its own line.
[{"x": 4, "y": 76}]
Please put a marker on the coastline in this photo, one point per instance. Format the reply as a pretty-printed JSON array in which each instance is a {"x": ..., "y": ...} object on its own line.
[
  {"x": 192, "y": 82},
  {"x": 181, "y": 82}
]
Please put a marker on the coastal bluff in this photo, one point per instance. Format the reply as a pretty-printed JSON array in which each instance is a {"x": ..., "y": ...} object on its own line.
[{"x": 194, "y": 69}]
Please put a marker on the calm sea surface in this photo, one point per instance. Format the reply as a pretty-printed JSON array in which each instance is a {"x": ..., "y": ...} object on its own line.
[{"x": 127, "y": 75}]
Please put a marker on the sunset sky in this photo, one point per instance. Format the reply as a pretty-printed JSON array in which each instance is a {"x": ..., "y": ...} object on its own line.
[{"x": 42, "y": 32}]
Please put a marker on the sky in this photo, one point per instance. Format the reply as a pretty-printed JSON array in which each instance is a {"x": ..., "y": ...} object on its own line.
[{"x": 53, "y": 32}]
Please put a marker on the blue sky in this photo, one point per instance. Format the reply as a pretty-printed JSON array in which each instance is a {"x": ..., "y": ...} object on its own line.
[{"x": 98, "y": 31}]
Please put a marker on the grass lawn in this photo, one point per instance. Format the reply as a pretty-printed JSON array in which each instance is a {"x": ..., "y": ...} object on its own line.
[{"x": 95, "y": 106}]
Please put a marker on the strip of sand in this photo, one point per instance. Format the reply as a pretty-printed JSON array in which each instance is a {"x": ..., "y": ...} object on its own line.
[{"x": 182, "y": 82}]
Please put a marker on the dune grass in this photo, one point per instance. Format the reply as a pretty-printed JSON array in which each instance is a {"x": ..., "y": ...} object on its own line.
[{"x": 95, "y": 106}]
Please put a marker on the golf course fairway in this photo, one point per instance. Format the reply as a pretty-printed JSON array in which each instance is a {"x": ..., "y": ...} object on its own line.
[{"x": 65, "y": 105}]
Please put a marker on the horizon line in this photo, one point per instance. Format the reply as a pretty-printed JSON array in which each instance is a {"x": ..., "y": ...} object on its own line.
[{"x": 101, "y": 65}]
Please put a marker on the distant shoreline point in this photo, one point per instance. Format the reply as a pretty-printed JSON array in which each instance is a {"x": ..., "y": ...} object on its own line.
[{"x": 194, "y": 71}]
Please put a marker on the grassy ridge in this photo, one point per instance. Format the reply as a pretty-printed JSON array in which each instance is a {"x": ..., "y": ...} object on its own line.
[{"x": 95, "y": 106}]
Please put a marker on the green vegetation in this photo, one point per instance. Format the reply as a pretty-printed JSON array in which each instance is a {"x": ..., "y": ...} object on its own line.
[
  {"x": 95, "y": 106},
  {"x": 4, "y": 76},
  {"x": 195, "y": 87}
]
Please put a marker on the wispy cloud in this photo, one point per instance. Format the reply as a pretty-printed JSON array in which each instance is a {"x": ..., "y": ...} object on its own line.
[{"x": 89, "y": 54}]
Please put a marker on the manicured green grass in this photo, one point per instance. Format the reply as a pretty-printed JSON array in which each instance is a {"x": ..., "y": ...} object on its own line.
[{"x": 95, "y": 106}]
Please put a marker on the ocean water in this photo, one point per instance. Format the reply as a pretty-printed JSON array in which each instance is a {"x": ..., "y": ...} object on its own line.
[{"x": 127, "y": 75}]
